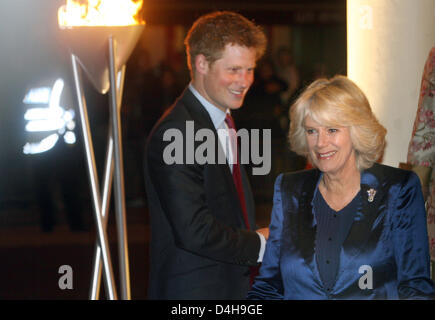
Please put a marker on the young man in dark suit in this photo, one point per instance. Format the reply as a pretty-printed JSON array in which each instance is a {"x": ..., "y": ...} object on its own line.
[{"x": 203, "y": 237}]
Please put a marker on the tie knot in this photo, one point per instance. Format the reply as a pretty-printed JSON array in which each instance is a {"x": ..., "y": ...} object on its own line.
[{"x": 230, "y": 122}]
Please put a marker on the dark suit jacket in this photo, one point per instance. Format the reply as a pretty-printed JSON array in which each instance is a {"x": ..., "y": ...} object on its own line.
[
  {"x": 388, "y": 234},
  {"x": 200, "y": 248}
]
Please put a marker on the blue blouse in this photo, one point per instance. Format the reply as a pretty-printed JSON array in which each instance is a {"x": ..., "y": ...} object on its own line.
[{"x": 332, "y": 229}]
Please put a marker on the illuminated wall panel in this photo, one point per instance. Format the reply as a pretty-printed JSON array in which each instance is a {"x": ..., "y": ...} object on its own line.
[{"x": 388, "y": 43}]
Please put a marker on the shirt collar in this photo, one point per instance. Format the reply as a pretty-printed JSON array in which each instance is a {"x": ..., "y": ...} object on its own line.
[{"x": 217, "y": 115}]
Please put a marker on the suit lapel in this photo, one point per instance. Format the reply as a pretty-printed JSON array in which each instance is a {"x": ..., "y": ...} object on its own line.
[
  {"x": 202, "y": 120},
  {"x": 198, "y": 113},
  {"x": 305, "y": 222},
  {"x": 368, "y": 210}
]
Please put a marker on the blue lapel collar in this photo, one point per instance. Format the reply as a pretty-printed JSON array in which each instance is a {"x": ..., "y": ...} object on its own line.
[
  {"x": 303, "y": 221},
  {"x": 303, "y": 225},
  {"x": 369, "y": 209}
]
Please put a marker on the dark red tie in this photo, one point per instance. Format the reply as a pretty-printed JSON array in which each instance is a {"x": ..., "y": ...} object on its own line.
[
  {"x": 239, "y": 186},
  {"x": 236, "y": 168}
]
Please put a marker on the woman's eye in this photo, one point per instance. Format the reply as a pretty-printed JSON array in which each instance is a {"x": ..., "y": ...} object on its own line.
[
  {"x": 332, "y": 130},
  {"x": 310, "y": 131}
]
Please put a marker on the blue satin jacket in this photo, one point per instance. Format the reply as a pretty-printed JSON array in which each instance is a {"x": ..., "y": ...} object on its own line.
[{"x": 385, "y": 255}]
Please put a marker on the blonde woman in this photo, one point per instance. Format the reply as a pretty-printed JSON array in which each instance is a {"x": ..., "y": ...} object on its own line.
[{"x": 350, "y": 228}]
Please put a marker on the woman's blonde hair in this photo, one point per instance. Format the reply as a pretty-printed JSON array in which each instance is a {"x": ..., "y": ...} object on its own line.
[{"x": 338, "y": 102}]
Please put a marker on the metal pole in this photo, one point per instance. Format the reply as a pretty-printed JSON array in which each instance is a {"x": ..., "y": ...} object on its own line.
[
  {"x": 107, "y": 186},
  {"x": 119, "y": 178},
  {"x": 93, "y": 179}
]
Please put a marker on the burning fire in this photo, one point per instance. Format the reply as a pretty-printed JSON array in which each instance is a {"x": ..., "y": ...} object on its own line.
[{"x": 100, "y": 13}]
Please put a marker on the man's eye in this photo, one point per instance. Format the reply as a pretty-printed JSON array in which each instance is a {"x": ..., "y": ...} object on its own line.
[{"x": 332, "y": 130}]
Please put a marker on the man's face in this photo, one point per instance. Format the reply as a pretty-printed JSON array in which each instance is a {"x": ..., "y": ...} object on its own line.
[{"x": 227, "y": 80}]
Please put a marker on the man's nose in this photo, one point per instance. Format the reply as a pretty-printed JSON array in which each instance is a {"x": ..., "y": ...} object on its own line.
[{"x": 245, "y": 79}]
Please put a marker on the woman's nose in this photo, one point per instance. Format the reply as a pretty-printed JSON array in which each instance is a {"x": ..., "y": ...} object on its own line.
[{"x": 322, "y": 139}]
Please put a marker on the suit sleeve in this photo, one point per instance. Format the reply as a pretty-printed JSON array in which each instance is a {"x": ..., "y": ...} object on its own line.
[
  {"x": 180, "y": 189},
  {"x": 411, "y": 248},
  {"x": 268, "y": 285}
]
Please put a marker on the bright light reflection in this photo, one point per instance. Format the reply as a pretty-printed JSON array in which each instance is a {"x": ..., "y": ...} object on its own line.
[
  {"x": 43, "y": 113},
  {"x": 70, "y": 125},
  {"x": 45, "y": 125},
  {"x": 51, "y": 118},
  {"x": 42, "y": 146},
  {"x": 69, "y": 137},
  {"x": 69, "y": 115},
  {"x": 56, "y": 92},
  {"x": 37, "y": 96}
]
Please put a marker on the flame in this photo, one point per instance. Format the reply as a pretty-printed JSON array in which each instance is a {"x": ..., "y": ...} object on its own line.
[{"x": 100, "y": 13}]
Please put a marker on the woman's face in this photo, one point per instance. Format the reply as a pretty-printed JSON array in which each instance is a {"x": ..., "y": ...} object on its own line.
[{"x": 330, "y": 148}]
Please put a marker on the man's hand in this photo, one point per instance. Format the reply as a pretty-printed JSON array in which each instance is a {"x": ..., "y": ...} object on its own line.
[{"x": 264, "y": 232}]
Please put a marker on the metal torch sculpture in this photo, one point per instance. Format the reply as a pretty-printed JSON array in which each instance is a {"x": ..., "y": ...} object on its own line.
[{"x": 101, "y": 35}]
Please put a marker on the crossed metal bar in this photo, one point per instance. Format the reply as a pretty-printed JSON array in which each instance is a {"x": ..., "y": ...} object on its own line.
[{"x": 113, "y": 169}]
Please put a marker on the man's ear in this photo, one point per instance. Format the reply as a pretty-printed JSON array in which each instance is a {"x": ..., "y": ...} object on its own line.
[{"x": 201, "y": 64}]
